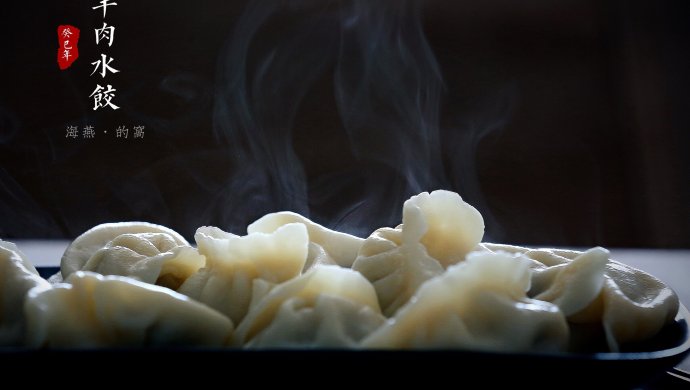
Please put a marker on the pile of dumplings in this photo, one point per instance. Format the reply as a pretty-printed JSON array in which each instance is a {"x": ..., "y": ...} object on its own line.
[{"x": 290, "y": 283}]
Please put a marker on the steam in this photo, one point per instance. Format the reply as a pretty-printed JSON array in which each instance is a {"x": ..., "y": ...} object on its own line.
[
  {"x": 386, "y": 86},
  {"x": 462, "y": 143},
  {"x": 255, "y": 116},
  {"x": 327, "y": 108}
]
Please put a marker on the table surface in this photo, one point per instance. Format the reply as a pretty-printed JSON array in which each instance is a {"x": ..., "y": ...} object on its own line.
[{"x": 672, "y": 266}]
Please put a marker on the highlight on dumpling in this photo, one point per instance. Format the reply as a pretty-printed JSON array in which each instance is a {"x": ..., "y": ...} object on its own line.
[{"x": 428, "y": 283}]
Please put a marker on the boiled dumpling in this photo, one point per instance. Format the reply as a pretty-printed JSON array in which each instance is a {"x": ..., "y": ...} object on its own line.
[
  {"x": 325, "y": 246},
  {"x": 17, "y": 277},
  {"x": 395, "y": 268},
  {"x": 635, "y": 311},
  {"x": 234, "y": 262},
  {"x": 438, "y": 230},
  {"x": 632, "y": 306},
  {"x": 572, "y": 286},
  {"x": 91, "y": 310},
  {"x": 329, "y": 306},
  {"x": 478, "y": 304},
  {"x": 155, "y": 258},
  {"x": 628, "y": 304},
  {"x": 447, "y": 226},
  {"x": 84, "y": 246}
]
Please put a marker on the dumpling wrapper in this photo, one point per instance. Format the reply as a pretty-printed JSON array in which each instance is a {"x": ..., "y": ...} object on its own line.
[
  {"x": 90, "y": 310},
  {"x": 17, "y": 277},
  {"x": 84, "y": 246},
  {"x": 438, "y": 230},
  {"x": 478, "y": 304},
  {"x": 155, "y": 258},
  {"x": 329, "y": 306},
  {"x": 234, "y": 262},
  {"x": 325, "y": 246}
]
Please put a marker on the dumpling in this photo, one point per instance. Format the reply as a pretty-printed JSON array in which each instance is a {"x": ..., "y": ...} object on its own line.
[
  {"x": 325, "y": 246},
  {"x": 233, "y": 262},
  {"x": 329, "y": 306},
  {"x": 17, "y": 277},
  {"x": 636, "y": 305},
  {"x": 447, "y": 226},
  {"x": 395, "y": 268},
  {"x": 84, "y": 246},
  {"x": 478, "y": 304},
  {"x": 155, "y": 258},
  {"x": 572, "y": 286},
  {"x": 632, "y": 306},
  {"x": 628, "y": 304},
  {"x": 569, "y": 279},
  {"x": 91, "y": 310},
  {"x": 438, "y": 230}
]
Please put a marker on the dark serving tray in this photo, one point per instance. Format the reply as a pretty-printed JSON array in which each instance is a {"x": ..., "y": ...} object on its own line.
[{"x": 614, "y": 370}]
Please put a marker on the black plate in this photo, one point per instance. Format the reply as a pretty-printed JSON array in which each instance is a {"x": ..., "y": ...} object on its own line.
[{"x": 618, "y": 370}]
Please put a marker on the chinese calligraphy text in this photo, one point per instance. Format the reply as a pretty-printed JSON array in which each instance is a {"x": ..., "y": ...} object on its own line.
[
  {"x": 68, "y": 51},
  {"x": 103, "y": 97}
]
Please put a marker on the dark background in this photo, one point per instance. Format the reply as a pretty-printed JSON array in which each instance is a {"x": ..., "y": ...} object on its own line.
[{"x": 564, "y": 122}]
